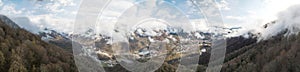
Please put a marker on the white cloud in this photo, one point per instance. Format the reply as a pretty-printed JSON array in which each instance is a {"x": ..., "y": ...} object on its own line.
[
  {"x": 240, "y": 18},
  {"x": 254, "y": 20},
  {"x": 288, "y": 19},
  {"x": 57, "y": 14},
  {"x": 251, "y": 12},
  {"x": 110, "y": 15},
  {"x": 10, "y": 10},
  {"x": 55, "y": 7},
  {"x": 134, "y": 13},
  {"x": 212, "y": 13},
  {"x": 58, "y": 5},
  {"x": 273, "y": 7},
  {"x": 36, "y": 15},
  {"x": 223, "y": 5},
  {"x": 36, "y": 23},
  {"x": 51, "y": 21},
  {"x": 1, "y": 3},
  {"x": 67, "y": 2},
  {"x": 200, "y": 24},
  {"x": 24, "y": 22}
]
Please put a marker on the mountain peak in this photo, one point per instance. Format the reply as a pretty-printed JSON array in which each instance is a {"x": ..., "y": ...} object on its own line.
[{"x": 9, "y": 22}]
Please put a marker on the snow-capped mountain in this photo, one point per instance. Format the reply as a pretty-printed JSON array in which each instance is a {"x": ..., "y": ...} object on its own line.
[{"x": 48, "y": 34}]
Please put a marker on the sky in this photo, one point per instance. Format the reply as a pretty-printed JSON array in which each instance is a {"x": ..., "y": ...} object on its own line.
[
  {"x": 253, "y": 14},
  {"x": 60, "y": 15},
  {"x": 258, "y": 11},
  {"x": 35, "y": 15}
]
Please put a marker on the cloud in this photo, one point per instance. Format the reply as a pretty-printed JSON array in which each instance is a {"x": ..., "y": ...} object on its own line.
[
  {"x": 51, "y": 21},
  {"x": 1, "y": 3},
  {"x": 235, "y": 18},
  {"x": 36, "y": 23},
  {"x": 58, "y": 5},
  {"x": 288, "y": 19},
  {"x": 60, "y": 14},
  {"x": 110, "y": 15},
  {"x": 24, "y": 22},
  {"x": 136, "y": 12},
  {"x": 273, "y": 7},
  {"x": 10, "y": 10},
  {"x": 223, "y": 5},
  {"x": 35, "y": 15},
  {"x": 212, "y": 14},
  {"x": 200, "y": 24}
]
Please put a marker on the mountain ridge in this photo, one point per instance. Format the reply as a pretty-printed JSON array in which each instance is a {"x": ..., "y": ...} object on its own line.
[
  {"x": 8, "y": 21},
  {"x": 22, "y": 51}
]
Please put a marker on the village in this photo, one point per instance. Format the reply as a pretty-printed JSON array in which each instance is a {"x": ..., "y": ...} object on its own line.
[{"x": 144, "y": 47}]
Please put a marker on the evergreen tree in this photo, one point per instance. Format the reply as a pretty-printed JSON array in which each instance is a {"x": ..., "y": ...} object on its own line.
[
  {"x": 16, "y": 65},
  {"x": 2, "y": 61}
]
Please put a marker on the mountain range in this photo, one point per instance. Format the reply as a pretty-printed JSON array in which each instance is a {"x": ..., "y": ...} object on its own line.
[{"x": 51, "y": 51}]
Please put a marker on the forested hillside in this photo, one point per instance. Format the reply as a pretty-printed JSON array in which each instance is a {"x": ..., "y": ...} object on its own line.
[
  {"x": 22, "y": 51},
  {"x": 278, "y": 54}
]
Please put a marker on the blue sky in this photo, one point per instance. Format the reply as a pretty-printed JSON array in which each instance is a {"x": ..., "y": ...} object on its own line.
[
  {"x": 36, "y": 15},
  {"x": 60, "y": 14}
]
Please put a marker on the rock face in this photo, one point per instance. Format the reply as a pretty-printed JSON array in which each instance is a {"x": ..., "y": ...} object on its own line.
[{"x": 22, "y": 51}]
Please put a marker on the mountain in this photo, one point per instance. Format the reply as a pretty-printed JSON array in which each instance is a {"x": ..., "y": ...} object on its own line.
[
  {"x": 278, "y": 54},
  {"x": 139, "y": 41},
  {"x": 26, "y": 23},
  {"x": 9, "y": 22},
  {"x": 22, "y": 51},
  {"x": 51, "y": 50},
  {"x": 62, "y": 40}
]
